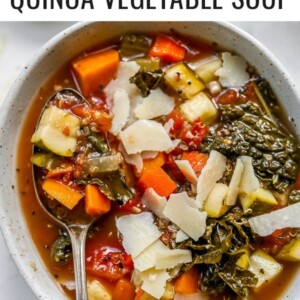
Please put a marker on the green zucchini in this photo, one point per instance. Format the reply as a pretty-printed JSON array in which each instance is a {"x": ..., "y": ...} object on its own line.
[
  {"x": 183, "y": 81},
  {"x": 57, "y": 132},
  {"x": 291, "y": 251},
  {"x": 207, "y": 68}
]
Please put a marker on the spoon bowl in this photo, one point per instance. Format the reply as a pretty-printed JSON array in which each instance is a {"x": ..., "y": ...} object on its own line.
[{"x": 76, "y": 222}]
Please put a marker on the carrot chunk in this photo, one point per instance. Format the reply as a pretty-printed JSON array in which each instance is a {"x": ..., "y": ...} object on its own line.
[
  {"x": 124, "y": 290},
  {"x": 187, "y": 283},
  {"x": 95, "y": 202},
  {"x": 96, "y": 70},
  {"x": 62, "y": 193},
  {"x": 167, "y": 49},
  {"x": 196, "y": 159},
  {"x": 159, "y": 180},
  {"x": 153, "y": 163}
]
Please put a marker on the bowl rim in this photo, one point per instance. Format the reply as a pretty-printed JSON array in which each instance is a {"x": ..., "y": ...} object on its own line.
[{"x": 42, "y": 52}]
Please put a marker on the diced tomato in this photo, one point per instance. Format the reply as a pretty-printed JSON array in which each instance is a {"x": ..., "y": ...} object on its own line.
[
  {"x": 129, "y": 206},
  {"x": 229, "y": 97},
  {"x": 249, "y": 93},
  {"x": 274, "y": 242},
  {"x": 173, "y": 170},
  {"x": 109, "y": 263},
  {"x": 196, "y": 159},
  {"x": 81, "y": 110},
  {"x": 193, "y": 135},
  {"x": 178, "y": 119}
]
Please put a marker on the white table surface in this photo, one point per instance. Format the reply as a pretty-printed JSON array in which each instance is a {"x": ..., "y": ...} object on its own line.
[{"x": 19, "y": 41}]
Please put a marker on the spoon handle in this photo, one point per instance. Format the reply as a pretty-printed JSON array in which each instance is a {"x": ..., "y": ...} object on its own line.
[{"x": 78, "y": 235}]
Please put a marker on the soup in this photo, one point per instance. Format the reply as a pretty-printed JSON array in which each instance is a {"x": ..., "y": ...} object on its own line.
[{"x": 181, "y": 148}]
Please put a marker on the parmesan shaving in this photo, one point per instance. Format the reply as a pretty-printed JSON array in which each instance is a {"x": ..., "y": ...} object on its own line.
[
  {"x": 285, "y": 217},
  {"x": 155, "y": 105},
  {"x": 154, "y": 202},
  {"x": 211, "y": 173},
  {"x": 182, "y": 211},
  {"x": 157, "y": 139},
  {"x": 234, "y": 183},
  {"x": 187, "y": 170},
  {"x": 154, "y": 282},
  {"x": 233, "y": 71},
  {"x": 120, "y": 110},
  {"x": 138, "y": 231},
  {"x": 249, "y": 182}
]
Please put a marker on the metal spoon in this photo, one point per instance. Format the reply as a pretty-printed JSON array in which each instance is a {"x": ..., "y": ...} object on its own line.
[{"x": 76, "y": 223}]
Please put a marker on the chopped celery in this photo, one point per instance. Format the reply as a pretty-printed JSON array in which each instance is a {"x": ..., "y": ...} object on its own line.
[
  {"x": 206, "y": 68},
  {"x": 48, "y": 161},
  {"x": 134, "y": 46},
  {"x": 149, "y": 64},
  {"x": 183, "y": 80}
]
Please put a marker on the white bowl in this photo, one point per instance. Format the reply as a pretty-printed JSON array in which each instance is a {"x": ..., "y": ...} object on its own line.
[{"x": 55, "y": 54}]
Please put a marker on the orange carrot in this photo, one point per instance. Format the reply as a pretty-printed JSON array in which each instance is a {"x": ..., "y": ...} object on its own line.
[
  {"x": 96, "y": 70},
  {"x": 159, "y": 180},
  {"x": 60, "y": 170},
  {"x": 62, "y": 193},
  {"x": 187, "y": 283},
  {"x": 95, "y": 202},
  {"x": 167, "y": 49},
  {"x": 153, "y": 163},
  {"x": 124, "y": 290},
  {"x": 196, "y": 159}
]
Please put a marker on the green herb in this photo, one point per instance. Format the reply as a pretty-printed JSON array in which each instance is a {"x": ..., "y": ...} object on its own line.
[
  {"x": 294, "y": 197},
  {"x": 217, "y": 252},
  {"x": 61, "y": 250},
  {"x": 245, "y": 130},
  {"x": 98, "y": 142},
  {"x": 112, "y": 185},
  {"x": 147, "y": 80}
]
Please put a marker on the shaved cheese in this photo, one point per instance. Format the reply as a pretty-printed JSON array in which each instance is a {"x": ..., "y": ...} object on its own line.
[
  {"x": 147, "y": 259},
  {"x": 187, "y": 170},
  {"x": 233, "y": 71},
  {"x": 172, "y": 258},
  {"x": 182, "y": 211},
  {"x": 211, "y": 173},
  {"x": 139, "y": 232},
  {"x": 285, "y": 217},
  {"x": 155, "y": 105},
  {"x": 249, "y": 182},
  {"x": 154, "y": 202},
  {"x": 125, "y": 71},
  {"x": 154, "y": 282},
  {"x": 145, "y": 135},
  {"x": 169, "y": 125},
  {"x": 132, "y": 159},
  {"x": 181, "y": 236},
  {"x": 120, "y": 110},
  {"x": 233, "y": 189},
  {"x": 159, "y": 256}
]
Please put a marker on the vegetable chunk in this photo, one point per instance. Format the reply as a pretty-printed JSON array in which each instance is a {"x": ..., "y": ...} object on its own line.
[
  {"x": 159, "y": 181},
  {"x": 96, "y": 70},
  {"x": 264, "y": 267},
  {"x": 62, "y": 193},
  {"x": 183, "y": 81},
  {"x": 167, "y": 49}
]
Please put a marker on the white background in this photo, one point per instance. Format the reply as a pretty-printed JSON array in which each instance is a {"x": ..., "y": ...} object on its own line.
[{"x": 19, "y": 41}]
